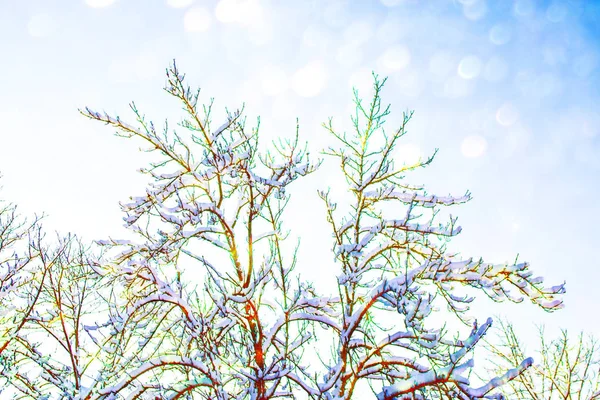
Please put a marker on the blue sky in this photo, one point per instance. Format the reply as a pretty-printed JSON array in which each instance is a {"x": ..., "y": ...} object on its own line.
[{"x": 507, "y": 90}]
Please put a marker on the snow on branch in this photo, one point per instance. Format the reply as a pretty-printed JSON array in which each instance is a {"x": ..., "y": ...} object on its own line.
[{"x": 205, "y": 298}]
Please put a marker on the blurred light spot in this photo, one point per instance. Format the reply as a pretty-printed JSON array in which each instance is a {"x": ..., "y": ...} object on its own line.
[
  {"x": 283, "y": 109},
  {"x": 358, "y": 33},
  {"x": 409, "y": 83},
  {"x": 408, "y": 154},
  {"x": 441, "y": 64},
  {"x": 587, "y": 155},
  {"x": 41, "y": 25},
  {"x": 548, "y": 85},
  {"x": 314, "y": 36},
  {"x": 590, "y": 129},
  {"x": 549, "y": 157},
  {"x": 244, "y": 12},
  {"x": 500, "y": 34},
  {"x": 249, "y": 92},
  {"x": 392, "y": 3},
  {"x": 99, "y": 3},
  {"x": 507, "y": 114},
  {"x": 392, "y": 30},
  {"x": 469, "y": 67},
  {"x": 556, "y": 12},
  {"x": 349, "y": 55},
  {"x": 495, "y": 69},
  {"x": 516, "y": 226},
  {"x": 517, "y": 140},
  {"x": 585, "y": 64},
  {"x": 592, "y": 12},
  {"x": 310, "y": 80},
  {"x": 472, "y": 121},
  {"x": 197, "y": 19},
  {"x": 526, "y": 82},
  {"x": 396, "y": 58},
  {"x": 260, "y": 34},
  {"x": 335, "y": 14},
  {"x": 473, "y": 146},
  {"x": 475, "y": 10},
  {"x": 362, "y": 80},
  {"x": 226, "y": 11},
  {"x": 554, "y": 55},
  {"x": 273, "y": 80},
  {"x": 524, "y": 8},
  {"x": 134, "y": 68},
  {"x": 455, "y": 87},
  {"x": 179, "y": 3}
]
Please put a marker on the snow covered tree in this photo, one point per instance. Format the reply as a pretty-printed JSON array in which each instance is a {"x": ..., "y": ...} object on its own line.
[
  {"x": 209, "y": 302},
  {"x": 49, "y": 290},
  {"x": 20, "y": 284},
  {"x": 396, "y": 262},
  {"x": 563, "y": 371}
]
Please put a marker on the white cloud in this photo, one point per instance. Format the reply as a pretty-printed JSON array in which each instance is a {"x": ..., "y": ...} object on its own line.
[
  {"x": 197, "y": 19},
  {"x": 309, "y": 80},
  {"x": 473, "y": 146}
]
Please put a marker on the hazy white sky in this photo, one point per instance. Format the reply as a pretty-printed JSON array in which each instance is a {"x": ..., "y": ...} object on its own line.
[{"x": 508, "y": 90}]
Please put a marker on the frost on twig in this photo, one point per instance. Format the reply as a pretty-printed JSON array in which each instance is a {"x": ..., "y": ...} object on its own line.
[
  {"x": 203, "y": 300},
  {"x": 213, "y": 210},
  {"x": 48, "y": 292},
  {"x": 398, "y": 263},
  {"x": 563, "y": 367}
]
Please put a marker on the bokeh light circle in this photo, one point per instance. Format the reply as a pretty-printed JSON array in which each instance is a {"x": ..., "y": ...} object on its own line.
[
  {"x": 473, "y": 146},
  {"x": 469, "y": 67}
]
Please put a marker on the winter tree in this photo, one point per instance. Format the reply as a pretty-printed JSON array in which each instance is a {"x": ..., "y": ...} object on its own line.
[
  {"x": 49, "y": 290},
  {"x": 563, "y": 369},
  {"x": 209, "y": 302}
]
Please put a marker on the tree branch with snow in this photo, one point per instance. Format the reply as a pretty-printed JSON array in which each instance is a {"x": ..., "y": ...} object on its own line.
[{"x": 206, "y": 299}]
